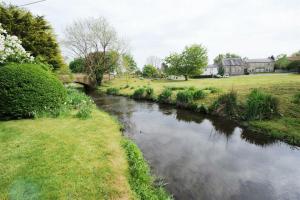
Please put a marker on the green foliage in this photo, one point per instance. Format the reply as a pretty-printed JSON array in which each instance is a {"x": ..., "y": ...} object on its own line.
[
  {"x": 261, "y": 106},
  {"x": 140, "y": 178},
  {"x": 297, "y": 98},
  {"x": 190, "y": 62},
  {"x": 165, "y": 96},
  {"x": 139, "y": 93},
  {"x": 294, "y": 65},
  {"x": 213, "y": 89},
  {"x": 84, "y": 112},
  {"x": 185, "y": 98},
  {"x": 77, "y": 65},
  {"x": 226, "y": 104},
  {"x": 149, "y": 92},
  {"x": 282, "y": 62},
  {"x": 149, "y": 71},
  {"x": 130, "y": 64},
  {"x": 199, "y": 94},
  {"x": 112, "y": 91},
  {"x": 27, "y": 89},
  {"x": 176, "y": 87},
  {"x": 35, "y": 33}
]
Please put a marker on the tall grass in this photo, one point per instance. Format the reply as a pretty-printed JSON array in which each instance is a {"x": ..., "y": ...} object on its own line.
[
  {"x": 261, "y": 106},
  {"x": 185, "y": 98},
  {"x": 138, "y": 93},
  {"x": 140, "y": 178},
  {"x": 112, "y": 91},
  {"x": 297, "y": 98},
  {"x": 226, "y": 104},
  {"x": 165, "y": 96}
]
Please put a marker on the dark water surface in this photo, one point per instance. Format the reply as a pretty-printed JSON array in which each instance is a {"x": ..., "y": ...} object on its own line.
[{"x": 207, "y": 158}]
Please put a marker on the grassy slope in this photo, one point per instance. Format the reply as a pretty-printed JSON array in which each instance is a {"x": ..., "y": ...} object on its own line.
[
  {"x": 63, "y": 158},
  {"x": 283, "y": 86}
]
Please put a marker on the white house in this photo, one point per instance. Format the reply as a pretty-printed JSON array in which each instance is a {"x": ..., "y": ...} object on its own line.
[{"x": 210, "y": 70}]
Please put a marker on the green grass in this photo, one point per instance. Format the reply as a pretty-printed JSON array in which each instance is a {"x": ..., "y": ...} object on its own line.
[
  {"x": 63, "y": 158},
  {"x": 140, "y": 178},
  {"x": 282, "y": 86}
]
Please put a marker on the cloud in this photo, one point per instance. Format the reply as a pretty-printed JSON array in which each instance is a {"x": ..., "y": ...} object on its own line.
[{"x": 252, "y": 28}]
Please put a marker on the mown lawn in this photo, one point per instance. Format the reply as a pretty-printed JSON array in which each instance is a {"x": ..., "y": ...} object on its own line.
[
  {"x": 63, "y": 158},
  {"x": 283, "y": 86}
]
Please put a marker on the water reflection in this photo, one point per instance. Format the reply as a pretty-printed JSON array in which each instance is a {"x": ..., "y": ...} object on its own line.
[{"x": 207, "y": 158}]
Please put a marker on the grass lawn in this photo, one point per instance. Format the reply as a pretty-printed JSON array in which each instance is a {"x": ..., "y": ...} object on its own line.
[
  {"x": 283, "y": 86},
  {"x": 63, "y": 158}
]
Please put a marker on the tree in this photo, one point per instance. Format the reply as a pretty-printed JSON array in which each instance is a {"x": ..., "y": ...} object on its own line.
[
  {"x": 95, "y": 40},
  {"x": 149, "y": 71},
  {"x": 131, "y": 65},
  {"x": 282, "y": 61},
  {"x": 35, "y": 33},
  {"x": 190, "y": 62},
  {"x": 154, "y": 61},
  {"x": 77, "y": 65}
]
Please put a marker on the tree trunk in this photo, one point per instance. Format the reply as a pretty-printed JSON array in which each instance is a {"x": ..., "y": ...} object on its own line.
[{"x": 185, "y": 77}]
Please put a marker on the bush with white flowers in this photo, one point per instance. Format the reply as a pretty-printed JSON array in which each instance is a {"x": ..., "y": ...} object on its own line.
[{"x": 11, "y": 49}]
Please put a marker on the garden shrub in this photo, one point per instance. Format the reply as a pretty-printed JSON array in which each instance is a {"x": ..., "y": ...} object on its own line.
[
  {"x": 138, "y": 93},
  {"x": 165, "y": 96},
  {"x": 226, "y": 104},
  {"x": 112, "y": 91},
  {"x": 27, "y": 89},
  {"x": 199, "y": 94},
  {"x": 149, "y": 92},
  {"x": 297, "y": 98},
  {"x": 261, "y": 106},
  {"x": 185, "y": 98}
]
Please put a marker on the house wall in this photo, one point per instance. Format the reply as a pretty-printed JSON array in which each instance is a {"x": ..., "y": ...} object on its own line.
[
  {"x": 260, "y": 67},
  {"x": 234, "y": 70}
]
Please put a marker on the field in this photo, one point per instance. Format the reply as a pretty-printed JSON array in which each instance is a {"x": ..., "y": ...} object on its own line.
[
  {"x": 63, "y": 158},
  {"x": 283, "y": 86}
]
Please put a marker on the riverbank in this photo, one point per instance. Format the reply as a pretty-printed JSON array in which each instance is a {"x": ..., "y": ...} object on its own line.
[
  {"x": 283, "y": 86},
  {"x": 72, "y": 158}
]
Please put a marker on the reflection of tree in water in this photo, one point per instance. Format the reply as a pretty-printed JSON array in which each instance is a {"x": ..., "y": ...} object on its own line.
[
  {"x": 166, "y": 109},
  {"x": 257, "y": 138},
  {"x": 223, "y": 126},
  {"x": 188, "y": 116}
]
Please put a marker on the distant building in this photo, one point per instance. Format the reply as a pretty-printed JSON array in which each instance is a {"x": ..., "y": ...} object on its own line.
[
  {"x": 233, "y": 66},
  {"x": 238, "y": 66},
  {"x": 260, "y": 65},
  {"x": 210, "y": 70}
]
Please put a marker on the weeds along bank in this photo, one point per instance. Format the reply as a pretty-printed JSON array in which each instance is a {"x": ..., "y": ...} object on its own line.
[
  {"x": 67, "y": 149},
  {"x": 266, "y": 104}
]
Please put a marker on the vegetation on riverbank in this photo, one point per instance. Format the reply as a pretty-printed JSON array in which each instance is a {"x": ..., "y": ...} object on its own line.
[
  {"x": 78, "y": 153},
  {"x": 276, "y": 87}
]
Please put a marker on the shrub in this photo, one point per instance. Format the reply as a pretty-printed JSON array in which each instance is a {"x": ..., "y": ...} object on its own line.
[
  {"x": 261, "y": 106},
  {"x": 149, "y": 92},
  {"x": 138, "y": 93},
  {"x": 27, "y": 89},
  {"x": 185, "y": 97},
  {"x": 199, "y": 94},
  {"x": 226, "y": 104},
  {"x": 85, "y": 111},
  {"x": 297, "y": 98},
  {"x": 165, "y": 96},
  {"x": 112, "y": 91}
]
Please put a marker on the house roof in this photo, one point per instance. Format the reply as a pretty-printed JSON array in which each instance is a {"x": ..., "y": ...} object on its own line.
[
  {"x": 259, "y": 60},
  {"x": 232, "y": 62}
]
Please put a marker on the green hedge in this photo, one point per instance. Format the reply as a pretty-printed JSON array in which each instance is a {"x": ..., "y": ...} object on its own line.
[{"x": 27, "y": 89}]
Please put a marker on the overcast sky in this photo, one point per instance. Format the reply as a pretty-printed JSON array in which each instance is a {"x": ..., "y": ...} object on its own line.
[{"x": 250, "y": 28}]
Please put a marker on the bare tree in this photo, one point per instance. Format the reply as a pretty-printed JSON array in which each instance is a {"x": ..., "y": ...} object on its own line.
[
  {"x": 92, "y": 39},
  {"x": 154, "y": 61}
]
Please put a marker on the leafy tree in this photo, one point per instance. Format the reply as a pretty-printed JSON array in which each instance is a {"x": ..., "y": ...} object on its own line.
[
  {"x": 131, "y": 65},
  {"x": 190, "y": 62},
  {"x": 77, "y": 65},
  {"x": 282, "y": 62},
  {"x": 150, "y": 71},
  {"x": 35, "y": 33},
  {"x": 295, "y": 63}
]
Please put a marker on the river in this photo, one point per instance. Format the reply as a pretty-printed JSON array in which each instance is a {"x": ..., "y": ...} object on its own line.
[{"x": 201, "y": 157}]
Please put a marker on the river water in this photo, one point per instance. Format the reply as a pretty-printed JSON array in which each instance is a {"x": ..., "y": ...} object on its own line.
[{"x": 201, "y": 157}]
